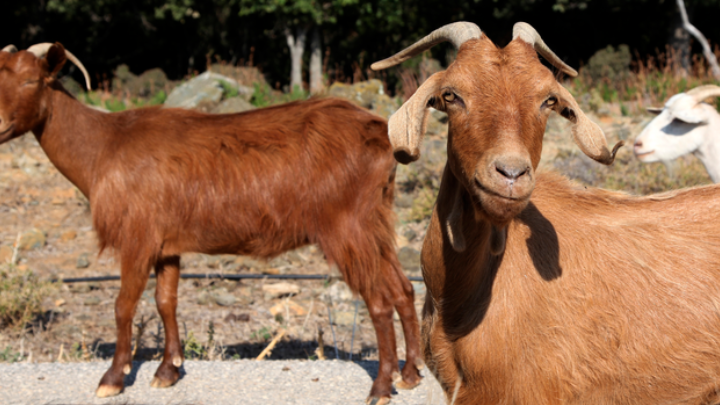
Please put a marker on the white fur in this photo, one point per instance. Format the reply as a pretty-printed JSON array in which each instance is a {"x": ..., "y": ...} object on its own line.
[{"x": 684, "y": 126}]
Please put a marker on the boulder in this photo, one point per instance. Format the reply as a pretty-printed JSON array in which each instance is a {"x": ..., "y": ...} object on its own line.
[
  {"x": 233, "y": 105},
  {"x": 208, "y": 88}
]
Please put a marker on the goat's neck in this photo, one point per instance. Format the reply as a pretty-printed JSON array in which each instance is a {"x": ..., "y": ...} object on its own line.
[
  {"x": 457, "y": 279},
  {"x": 72, "y": 137},
  {"x": 709, "y": 150}
]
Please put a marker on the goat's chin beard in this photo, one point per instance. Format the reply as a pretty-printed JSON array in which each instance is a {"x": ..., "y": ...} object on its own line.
[{"x": 497, "y": 210}]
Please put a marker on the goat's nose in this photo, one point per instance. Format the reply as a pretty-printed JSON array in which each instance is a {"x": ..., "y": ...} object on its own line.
[{"x": 511, "y": 171}]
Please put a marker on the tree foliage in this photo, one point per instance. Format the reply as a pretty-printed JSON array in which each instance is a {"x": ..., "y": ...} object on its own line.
[{"x": 180, "y": 35}]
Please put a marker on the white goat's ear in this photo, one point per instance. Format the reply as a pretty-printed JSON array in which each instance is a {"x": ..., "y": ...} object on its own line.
[
  {"x": 407, "y": 126},
  {"x": 691, "y": 116},
  {"x": 654, "y": 110},
  {"x": 586, "y": 134},
  {"x": 454, "y": 220}
]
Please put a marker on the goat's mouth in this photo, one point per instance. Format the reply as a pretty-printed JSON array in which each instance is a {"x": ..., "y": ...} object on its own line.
[
  {"x": 641, "y": 155},
  {"x": 510, "y": 192},
  {"x": 500, "y": 205},
  {"x": 6, "y": 134}
]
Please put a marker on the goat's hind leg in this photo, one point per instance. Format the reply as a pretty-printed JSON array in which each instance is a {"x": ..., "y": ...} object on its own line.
[
  {"x": 381, "y": 313},
  {"x": 403, "y": 297},
  {"x": 133, "y": 281},
  {"x": 168, "y": 273}
]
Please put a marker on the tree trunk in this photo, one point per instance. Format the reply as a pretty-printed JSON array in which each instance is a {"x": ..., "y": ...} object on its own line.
[
  {"x": 296, "y": 43},
  {"x": 709, "y": 55},
  {"x": 680, "y": 43},
  {"x": 316, "y": 79}
]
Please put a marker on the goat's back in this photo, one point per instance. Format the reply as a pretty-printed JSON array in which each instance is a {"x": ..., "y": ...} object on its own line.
[{"x": 259, "y": 182}]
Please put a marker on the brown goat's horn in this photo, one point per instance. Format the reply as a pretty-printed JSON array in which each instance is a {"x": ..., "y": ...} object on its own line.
[
  {"x": 702, "y": 92},
  {"x": 10, "y": 49},
  {"x": 528, "y": 34},
  {"x": 40, "y": 50},
  {"x": 457, "y": 33}
]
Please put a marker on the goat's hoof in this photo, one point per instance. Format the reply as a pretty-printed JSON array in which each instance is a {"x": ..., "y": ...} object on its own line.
[
  {"x": 404, "y": 385},
  {"x": 105, "y": 391},
  {"x": 158, "y": 382},
  {"x": 377, "y": 401}
]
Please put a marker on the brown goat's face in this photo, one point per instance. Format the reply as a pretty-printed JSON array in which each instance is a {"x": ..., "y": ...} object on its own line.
[
  {"x": 498, "y": 102},
  {"x": 24, "y": 81}
]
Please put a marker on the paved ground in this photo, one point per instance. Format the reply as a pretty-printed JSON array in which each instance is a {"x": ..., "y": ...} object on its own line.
[{"x": 205, "y": 382}]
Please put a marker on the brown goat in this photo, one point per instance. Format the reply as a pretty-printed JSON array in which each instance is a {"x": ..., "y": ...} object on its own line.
[
  {"x": 574, "y": 295},
  {"x": 166, "y": 181}
]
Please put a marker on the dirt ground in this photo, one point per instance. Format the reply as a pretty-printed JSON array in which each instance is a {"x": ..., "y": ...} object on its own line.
[{"x": 218, "y": 318}]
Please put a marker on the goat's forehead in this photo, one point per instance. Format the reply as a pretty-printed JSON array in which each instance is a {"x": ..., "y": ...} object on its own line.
[
  {"x": 20, "y": 62},
  {"x": 515, "y": 68}
]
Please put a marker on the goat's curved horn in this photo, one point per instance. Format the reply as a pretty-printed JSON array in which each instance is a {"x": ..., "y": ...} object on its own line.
[
  {"x": 702, "y": 92},
  {"x": 40, "y": 50},
  {"x": 456, "y": 33},
  {"x": 528, "y": 34},
  {"x": 10, "y": 49}
]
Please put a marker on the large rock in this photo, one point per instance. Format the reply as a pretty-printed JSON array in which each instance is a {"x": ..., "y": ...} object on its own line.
[
  {"x": 369, "y": 94},
  {"x": 233, "y": 105},
  {"x": 208, "y": 88},
  {"x": 433, "y": 155},
  {"x": 245, "y": 75}
]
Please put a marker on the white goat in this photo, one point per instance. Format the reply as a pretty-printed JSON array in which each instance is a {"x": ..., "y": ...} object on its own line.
[{"x": 685, "y": 125}]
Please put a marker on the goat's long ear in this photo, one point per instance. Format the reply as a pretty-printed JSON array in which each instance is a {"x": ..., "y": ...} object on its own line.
[
  {"x": 55, "y": 58},
  {"x": 586, "y": 134},
  {"x": 407, "y": 126}
]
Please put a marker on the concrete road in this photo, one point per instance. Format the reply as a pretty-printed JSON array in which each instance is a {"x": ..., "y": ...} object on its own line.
[{"x": 205, "y": 382}]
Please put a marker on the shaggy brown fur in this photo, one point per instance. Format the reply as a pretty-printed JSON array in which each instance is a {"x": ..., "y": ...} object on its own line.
[
  {"x": 560, "y": 294},
  {"x": 166, "y": 181}
]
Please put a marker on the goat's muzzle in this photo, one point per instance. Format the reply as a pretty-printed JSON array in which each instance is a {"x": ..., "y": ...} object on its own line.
[{"x": 502, "y": 186}]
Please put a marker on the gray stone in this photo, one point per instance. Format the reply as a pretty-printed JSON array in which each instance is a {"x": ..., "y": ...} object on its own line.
[
  {"x": 233, "y": 105},
  {"x": 203, "y": 89},
  {"x": 345, "y": 318},
  {"x": 83, "y": 261},
  {"x": 223, "y": 298},
  {"x": 337, "y": 292},
  {"x": 277, "y": 290},
  {"x": 32, "y": 239},
  {"x": 92, "y": 301},
  {"x": 204, "y": 298},
  {"x": 409, "y": 258},
  {"x": 410, "y": 234}
]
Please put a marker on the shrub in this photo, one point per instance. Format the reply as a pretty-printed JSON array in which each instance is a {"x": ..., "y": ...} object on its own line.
[{"x": 21, "y": 295}]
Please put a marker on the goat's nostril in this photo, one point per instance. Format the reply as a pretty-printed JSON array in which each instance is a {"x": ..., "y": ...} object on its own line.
[
  {"x": 511, "y": 173},
  {"x": 638, "y": 144}
]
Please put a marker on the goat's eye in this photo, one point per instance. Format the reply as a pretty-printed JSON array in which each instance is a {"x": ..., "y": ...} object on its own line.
[
  {"x": 449, "y": 96},
  {"x": 30, "y": 82},
  {"x": 550, "y": 102}
]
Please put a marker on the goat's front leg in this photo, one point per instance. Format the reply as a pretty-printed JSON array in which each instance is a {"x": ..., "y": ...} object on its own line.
[
  {"x": 168, "y": 273},
  {"x": 133, "y": 280}
]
